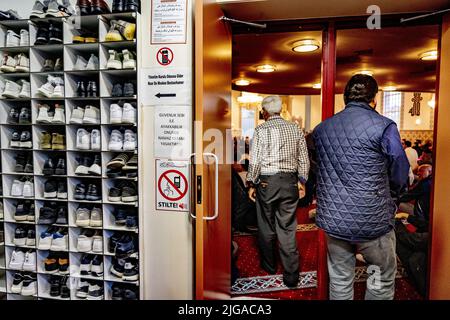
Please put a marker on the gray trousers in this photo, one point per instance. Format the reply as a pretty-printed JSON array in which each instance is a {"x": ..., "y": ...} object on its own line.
[
  {"x": 381, "y": 267},
  {"x": 276, "y": 206}
]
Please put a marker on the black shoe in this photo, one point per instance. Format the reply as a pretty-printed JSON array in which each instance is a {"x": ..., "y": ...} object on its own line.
[
  {"x": 62, "y": 190},
  {"x": 100, "y": 7},
  {"x": 62, "y": 216},
  {"x": 115, "y": 195},
  {"x": 291, "y": 281},
  {"x": 65, "y": 291},
  {"x": 131, "y": 271},
  {"x": 29, "y": 164},
  {"x": 9, "y": 15},
  {"x": 49, "y": 167},
  {"x": 96, "y": 168},
  {"x": 25, "y": 140},
  {"x": 84, "y": 7},
  {"x": 129, "y": 193},
  {"x": 131, "y": 168},
  {"x": 81, "y": 90},
  {"x": 117, "y": 292},
  {"x": 80, "y": 192},
  {"x": 93, "y": 193},
  {"x": 128, "y": 89},
  {"x": 92, "y": 89},
  {"x": 84, "y": 163},
  {"x": 130, "y": 294},
  {"x": 118, "y": 267},
  {"x": 117, "y": 90},
  {"x": 55, "y": 286},
  {"x": 132, "y": 5},
  {"x": 42, "y": 36},
  {"x": 15, "y": 140},
  {"x": 13, "y": 117},
  {"x": 50, "y": 189},
  {"x": 20, "y": 236},
  {"x": 54, "y": 35},
  {"x": 20, "y": 163},
  {"x": 118, "y": 6},
  {"x": 47, "y": 215},
  {"x": 61, "y": 167},
  {"x": 25, "y": 116}
]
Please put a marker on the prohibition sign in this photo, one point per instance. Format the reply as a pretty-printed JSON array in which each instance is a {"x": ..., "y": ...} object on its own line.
[
  {"x": 181, "y": 193},
  {"x": 164, "y": 56}
]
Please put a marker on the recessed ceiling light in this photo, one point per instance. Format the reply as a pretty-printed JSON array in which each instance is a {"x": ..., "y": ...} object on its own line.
[
  {"x": 389, "y": 88},
  {"x": 429, "y": 55},
  {"x": 317, "y": 86},
  {"x": 242, "y": 82},
  {"x": 265, "y": 68},
  {"x": 366, "y": 72},
  {"x": 306, "y": 45}
]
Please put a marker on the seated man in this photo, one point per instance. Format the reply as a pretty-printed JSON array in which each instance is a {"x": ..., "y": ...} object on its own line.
[
  {"x": 243, "y": 208},
  {"x": 420, "y": 193}
]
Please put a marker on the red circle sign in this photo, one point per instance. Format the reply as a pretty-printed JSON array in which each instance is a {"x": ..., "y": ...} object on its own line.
[
  {"x": 164, "y": 56},
  {"x": 181, "y": 193}
]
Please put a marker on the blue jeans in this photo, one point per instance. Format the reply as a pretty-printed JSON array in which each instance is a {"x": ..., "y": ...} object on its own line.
[{"x": 381, "y": 266}]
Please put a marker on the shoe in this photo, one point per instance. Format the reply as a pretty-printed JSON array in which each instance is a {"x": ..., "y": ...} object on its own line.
[
  {"x": 117, "y": 292},
  {"x": 95, "y": 169},
  {"x": 29, "y": 285},
  {"x": 132, "y": 6},
  {"x": 43, "y": 116},
  {"x": 25, "y": 116},
  {"x": 131, "y": 222},
  {"x": 60, "y": 167},
  {"x": 12, "y": 90},
  {"x": 20, "y": 236},
  {"x": 31, "y": 238},
  {"x": 81, "y": 90},
  {"x": 22, "y": 63},
  {"x": 9, "y": 15},
  {"x": 15, "y": 140},
  {"x": 48, "y": 88},
  {"x": 96, "y": 143},
  {"x": 46, "y": 141},
  {"x": 24, "y": 38},
  {"x": 93, "y": 63},
  {"x": 59, "y": 117},
  {"x": 45, "y": 239},
  {"x": 59, "y": 91},
  {"x": 82, "y": 217},
  {"x": 62, "y": 190},
  {"x": 120, "y": 217},
  {"x": 84, "y": 36},
  {"x": 8, "y": 64},
  {"x": 126, "y": 29},
  {"x": 97, "y": 242},
  {"x": 80, "y": 192},
  {"x": 62, "y": 216},
  {"x": 92, "y": 91},
  {"x": 28, "y": 189},
  {"x": 29, "y": 263},
  {"x": 13, "y": 116},
  {"x": 91, "y": 115},
  {"x": 113, "y": 34},
  {"x": 83, "y": 140},
  {"x": 99, "y": 7},
  {"x": 115, "y": 141},
  {"x": 114, "y": 61},
  {"x": 58, "y": 141},
  {"x": 131, "y": 270},
  {"x": 118, "y": 162},
  {"x": 114, "y": 240},
  {"x": 29, "y": 164},
  {"x": 117, "y": 90},
  {"x": 59, "y": 66},
  {"x": 49, "y": 65},
  {"x": 60, "y": 241},
  {"x": 83, "y": 166},
  {"x": 55, "y": 35},
  {"x": 129, "y": 114},
  {"x": 77, "y": 116},
  {"x": 130, "y": 294},
  {"x": 118, "y": 6},
  {"x": 12, "y": 39},
  {"x": 85, "y": 239},
  {"x": 22, "y": 212},
  {"x": 80, "y": 64},
  {"x": 93, "y": 193},
  {"x": 85, "y": 264},
  {"x": 42, "y": 35},
  {"x": 84, "y": 7},
  {"x": 129, "y": 62},
  {"x": 38, "y": 10},
  {"x": 291, "y": 281},
  {"x": 49, "y": 167},
  {"x": 65, "y": 291},
  {"x": 55, "y": 286},
  {"x": 83, "y": 289},
  {"x": 95, "y": 291},
  {"x": 63, "y": 263},
  {"x": 130, "y": 141},
  {"x": 129, "y": 193},
  {"x": 47, "y": 215},
  {"x": 117, "y": 267},
  {"x": 128, "y": 90},
  {"x": 51, "y": 263},
  {"x": 20, "y": 163},
  {"x": 17, "y": 284},
  {"x": 30, "y": 209},
  {"x": 17, "y": 188},
  {"x": 115, "y": 114},
  {"x": 96, "y": 218},
  {"x": 131, "y": 167},
  {"x": 57, "y": 10},
  {"x": 25, "y": 140},
  {"x": 25, "y": 91},
  {"x": 17, "y": 260},
  {"x": 125, "y": 246}
]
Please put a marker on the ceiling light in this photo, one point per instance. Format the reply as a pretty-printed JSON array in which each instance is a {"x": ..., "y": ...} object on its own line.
[
  {"x": 317, "y": 86},
  {"x": 306, "y": 45},
  {"x": 248, "y": 97},
  {"x": 242, "y": 82},
  {"x": 429, "y": 55},
  {"x": 390, "y": 88},
  {"x": 366, "y": 72},
  {"x": 265, "y": 68}
]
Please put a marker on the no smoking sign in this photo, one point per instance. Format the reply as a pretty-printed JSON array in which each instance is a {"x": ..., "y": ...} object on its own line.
[{"x": 172, "y": 185}]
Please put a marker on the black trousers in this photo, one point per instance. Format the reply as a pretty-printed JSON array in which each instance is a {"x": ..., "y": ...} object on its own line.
[{"x": 276, "y": 204}]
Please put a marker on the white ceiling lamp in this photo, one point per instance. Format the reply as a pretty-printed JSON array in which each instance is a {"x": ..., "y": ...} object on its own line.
[
  {"x": 432, "y": 102},
  {"x": 242, "y": 82},
  {"x": 317, "y": 86},
  {"x": 429, "y": 55},
  {"x": 390, "y": 88},
  {"x": 248, "y": 97},
  {"x": 265, "y": 68},
  {"x": 365, "y": 72},
  {"x": 306, "y": 45}
]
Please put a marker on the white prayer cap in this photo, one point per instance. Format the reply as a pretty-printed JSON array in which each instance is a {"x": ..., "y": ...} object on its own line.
[{"x": 272, "y": 104}]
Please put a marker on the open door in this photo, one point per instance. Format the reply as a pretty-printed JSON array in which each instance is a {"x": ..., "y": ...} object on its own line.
[{"x": 212, "y": 148}]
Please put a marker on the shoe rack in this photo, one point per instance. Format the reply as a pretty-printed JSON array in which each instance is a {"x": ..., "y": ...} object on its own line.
[{"x": 105, "y": 80}]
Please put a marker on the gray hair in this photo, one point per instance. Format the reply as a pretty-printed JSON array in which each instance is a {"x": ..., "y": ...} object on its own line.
[{"x": 272, "y": 104}]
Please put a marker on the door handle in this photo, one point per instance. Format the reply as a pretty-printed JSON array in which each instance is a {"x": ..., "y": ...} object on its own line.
[
  {"x": 191, "y": 189},
  {"x": 199, "y": 190}
]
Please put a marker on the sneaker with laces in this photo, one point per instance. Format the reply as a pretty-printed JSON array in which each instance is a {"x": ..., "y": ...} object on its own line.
[
  {"x": 96, "y": 217},
  {"x": 93, "y": 63},
  {"x": 113, "y": 34},
  {"x": 29, "y": 263},
  {"x": 95, "y": 291},
  {"x": 115, "y": 141},
  {"x": 25, "y": 140},
  {"x": 96, "y": 143},
  {"x": 17, "y": 188},
  {"x": 114, "y": 61},
  {"x": 17, "y": 260},
  {"x": 80, "y": 192},
  {"x": 62, "y": 190},
  {"x": 128, "y": 89},
  {"x": 17, "y": 284},
  {"x": 24, "y": 38},
  {"x": 58, "y": 92},
  {"x": 46, "y": 141},
  {"x": 85, "y": 239},
  {"x": 131, "y": 270},
  {"x": 59, "y": 66},
  {"x": 28, "y": 189},
  {"x": 130, "y": 141},
  {"x": 117, "y": 90},
  {"x": 13, "y": 116},
  {"x": 29, "y": 287},
  {"x": 97, "y": 266},
  {"x": 129, "y": 193},
  {"x": 115, "y": 114},
  {"x": 25, "y": 91},
  {"x": 82, "y": 289},
  {"x": 126, "y": 29},
  {"x": 20, "y": 236},
  {"x": 129, "y": 114},
  {"x": 43, "y": 116},
  {"x": 83, "y": 166},
  {"x": 57, "y": 10},
  {"x": 12, "y": 89},
  {"x": 97, "y": 242},
  {"x": 25, "y": 116},
  {"x": 47, "y": 215},
  {"x": 45, "y": 239},
  {"x": 31, "y": 238},
  {"x": 60, "y": 241},
  {"x": 80, "y": 64},
  {"x": 93, "y": 193},
  {"x": 129, "y": 62},
  {"x": 50, "y": 192},
  {"x": 38, "y": 10},
  {"x": 59, "y": 117},
  {"x": 77, "y": 115},
  {"x": 47, "y": 89},
  {"x": 49, "y": 65},
  {"x": 22, "y": 63},
  {"x": 12, "y": 39},
  {"x": 62, "y": 216},
  {"x": 15, "y": 140},
  {"x": 85, "y": 264},
  {"x": 82, "y": 217},
  {"x": 83, "y": 139},
  {"x": 8, "y": 64},
  {"x": 95, "y": 169},
  {"x": 91, "y": 115},
  {"x": 58, "y": 141}
]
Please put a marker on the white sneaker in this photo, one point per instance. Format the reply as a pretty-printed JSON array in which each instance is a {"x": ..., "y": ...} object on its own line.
[
  {"x": 114, "y": 61},
  {"x": 12, "y": 90},
  {"x": 130, "y": 141},
  {"x": 92, "y": 63},
  {"x": 83, "y": 140},
  {"x": 29, "y": 290},
  {"x": 60, "y": 243},
  {"x": 77, "y": 115},
  {"x": 129, "y": 113},
  {"x": 43, "y": 116},
  {"x": 12, "y": 39},
  {"x": 59, "y": 91},
  {"x": 22, "y": 63},
  {"x": 129, "y": 62},
  {"x": 80, "y": 64},
  {"x": 25, "y": 91},
  {"x": 115, "y": 114},
  {"x": 30, "y": 261},
  {"x": 59, "y": 116},
  {"x": 24, "y": 38},
  {"x": 91, "y": 115},
  {"x": 46, "y": 242},
  {"x": 28, "y": 189},
  {"x": 116, "y": 141},
  {"x": 17, "y": 188},
  {"x": 47, "y": 88},
  {"x": 97, "y": 244},
  {"x": 96, "y": 143},
  {"x": 84, "y": 243},
  {"x": 17, "y": 260},
  {"x": 8, "y": 64}
]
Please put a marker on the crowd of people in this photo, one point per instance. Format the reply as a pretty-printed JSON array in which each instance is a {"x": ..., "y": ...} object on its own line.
[{"x": 371, "y": 187}]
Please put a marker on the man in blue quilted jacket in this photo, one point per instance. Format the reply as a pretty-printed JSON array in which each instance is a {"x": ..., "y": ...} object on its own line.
[{"x": 362, "y": 169}]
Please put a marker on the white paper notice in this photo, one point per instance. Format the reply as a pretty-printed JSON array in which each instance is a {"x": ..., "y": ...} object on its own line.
[{"x": 169, "y": 19}]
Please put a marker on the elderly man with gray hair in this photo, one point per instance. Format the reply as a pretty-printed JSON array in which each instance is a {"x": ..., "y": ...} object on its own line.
[{"x": 278, "y": 162}]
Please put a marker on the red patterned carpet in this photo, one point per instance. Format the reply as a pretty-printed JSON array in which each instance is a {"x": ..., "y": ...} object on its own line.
[{"x": 308, "y": 241}]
